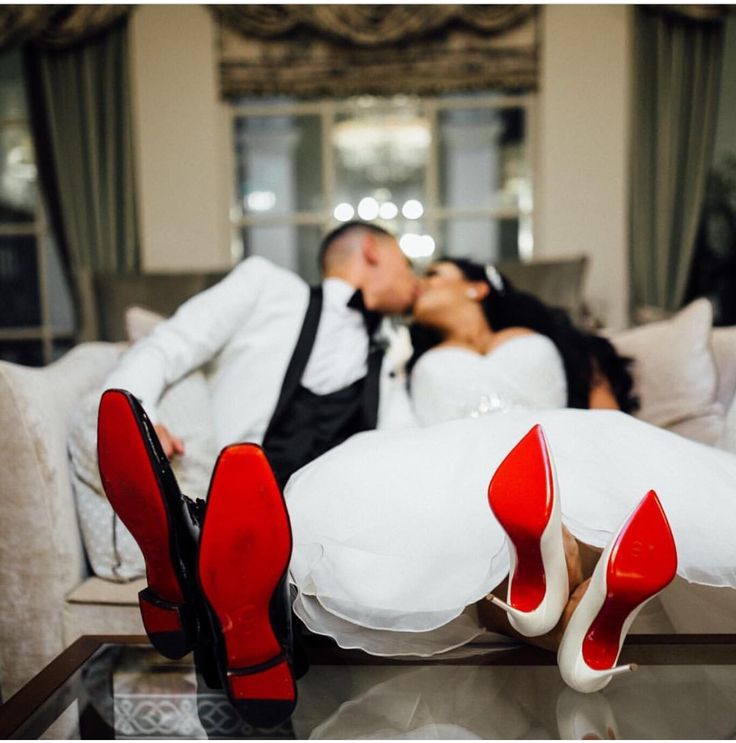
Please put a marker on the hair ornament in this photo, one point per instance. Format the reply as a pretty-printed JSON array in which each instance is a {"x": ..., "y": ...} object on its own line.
[{"x": 494, "y": 277}]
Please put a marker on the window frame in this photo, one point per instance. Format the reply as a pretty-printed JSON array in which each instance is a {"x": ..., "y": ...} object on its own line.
[
  {"x": 434, "y": 213},
  {"x": 39, "y": 229}
]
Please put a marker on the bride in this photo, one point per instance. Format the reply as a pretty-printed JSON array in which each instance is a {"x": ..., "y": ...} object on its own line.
[{"x": 395, "y": 549}]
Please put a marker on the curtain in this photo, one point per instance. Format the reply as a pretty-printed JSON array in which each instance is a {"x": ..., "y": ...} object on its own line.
[
  {"x": 80, "y": 109},
  {"x": 677, "y": 70},
  {"x": 341, "y": 50},
  {"x": 55, "y": 26}
]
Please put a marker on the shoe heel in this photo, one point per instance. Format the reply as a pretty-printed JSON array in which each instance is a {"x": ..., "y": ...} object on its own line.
[
  {"x": 167, "y": 625},
  {"x": 265, "y": 698}
]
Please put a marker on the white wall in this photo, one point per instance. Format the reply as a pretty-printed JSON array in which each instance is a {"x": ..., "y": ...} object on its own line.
[
  {"x": 582, "y": 147},
  {"x": 182, "y": 140}
]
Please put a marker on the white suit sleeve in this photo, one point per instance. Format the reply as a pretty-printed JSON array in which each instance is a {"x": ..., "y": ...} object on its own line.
[{"x": 192, "y": 336}]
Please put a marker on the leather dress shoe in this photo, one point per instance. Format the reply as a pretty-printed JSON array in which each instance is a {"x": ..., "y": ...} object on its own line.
[
  {"x": 143, "y": 491},
  {"x": 244, "y": 553}
]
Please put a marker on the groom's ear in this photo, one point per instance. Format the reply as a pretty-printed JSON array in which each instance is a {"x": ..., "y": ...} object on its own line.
[{"x": 369, "y": 248}]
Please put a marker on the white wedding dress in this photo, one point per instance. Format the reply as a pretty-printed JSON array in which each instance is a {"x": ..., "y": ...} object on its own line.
[{"x": 394, "y": 541}]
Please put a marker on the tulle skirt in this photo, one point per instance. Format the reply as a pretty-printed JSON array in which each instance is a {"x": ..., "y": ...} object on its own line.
[{"x": 394, "y": 541}]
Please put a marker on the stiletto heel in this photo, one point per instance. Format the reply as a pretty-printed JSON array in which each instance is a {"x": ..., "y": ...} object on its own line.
[
  {"x": 639, "y": 562},
  {"x": 244, "y": 553},
  {"x": 523, "y": 497}
]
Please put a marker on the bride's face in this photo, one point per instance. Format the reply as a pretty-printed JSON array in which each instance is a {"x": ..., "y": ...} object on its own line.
[{"x": 443, "y": 290}]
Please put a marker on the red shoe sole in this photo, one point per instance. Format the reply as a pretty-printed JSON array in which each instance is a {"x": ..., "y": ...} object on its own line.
[
  {"x": 135, "y": 492},
  {"x": 244, "y": 553},
  {"x": 641, "y": 563},
  {"x": 521, "y": 495}
]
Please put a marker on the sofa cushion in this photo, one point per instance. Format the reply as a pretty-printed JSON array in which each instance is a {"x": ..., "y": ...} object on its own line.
[
  {"x": 723, "y": 342},
  {"x": 185, "y": 410},
  {"x": 99, "y": 591},
  {"x": 675, "y": 373}
]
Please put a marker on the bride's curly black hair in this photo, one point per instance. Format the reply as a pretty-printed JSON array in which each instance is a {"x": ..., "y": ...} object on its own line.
[{"x": 584, "y": 355}]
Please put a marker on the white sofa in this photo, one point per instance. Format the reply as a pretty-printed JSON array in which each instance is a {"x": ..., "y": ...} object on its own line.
[{"x": 48, "y": 596}]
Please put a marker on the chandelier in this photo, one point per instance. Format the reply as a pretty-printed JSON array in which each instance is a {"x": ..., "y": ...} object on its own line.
[{"x": 390, "y": 144}]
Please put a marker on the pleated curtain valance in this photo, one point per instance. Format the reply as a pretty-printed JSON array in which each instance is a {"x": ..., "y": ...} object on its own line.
[
  {"x": 339, "y": 50},
  {"x": 57, "y": 26}
]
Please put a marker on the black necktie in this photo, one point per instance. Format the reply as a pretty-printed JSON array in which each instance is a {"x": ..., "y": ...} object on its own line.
[{"x": 371, "y": 318}]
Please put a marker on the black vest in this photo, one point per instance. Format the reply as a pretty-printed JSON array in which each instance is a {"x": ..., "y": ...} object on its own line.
[{"x": 305, "y": 425}]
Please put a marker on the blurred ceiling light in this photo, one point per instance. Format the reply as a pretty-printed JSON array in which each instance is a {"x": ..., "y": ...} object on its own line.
[
  {"x": 412, "y": 209},
  {"x": 417, "y": 246},
  {"x": 385, "y": 145},
  {"x": 368, "y": 208},
  {"x": 261, "y": 201},
  {"x": 344, "y": 212},
  {"x": 388, "y": 210}
]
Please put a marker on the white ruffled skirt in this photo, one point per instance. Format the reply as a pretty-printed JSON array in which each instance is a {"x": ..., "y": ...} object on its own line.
[{"x": 394, "y": 541}]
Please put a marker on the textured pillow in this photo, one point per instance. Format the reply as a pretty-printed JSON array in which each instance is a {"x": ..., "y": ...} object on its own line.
[
  {"x": 185, "y": 410},
  {"x": 675, "y": 374}
]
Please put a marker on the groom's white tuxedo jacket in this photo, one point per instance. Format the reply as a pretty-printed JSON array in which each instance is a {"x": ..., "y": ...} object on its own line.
[{"x": 243, "y": 331}]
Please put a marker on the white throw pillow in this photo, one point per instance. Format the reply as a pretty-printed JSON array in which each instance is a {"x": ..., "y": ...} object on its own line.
[
  {"x": 186, "y": 411},
  {"x": 675, "y": 373}
]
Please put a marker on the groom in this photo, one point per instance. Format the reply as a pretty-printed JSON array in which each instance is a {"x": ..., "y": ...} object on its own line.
[
  {"x": 284, "y": 360},
  {"x": 294, "y": 369}
]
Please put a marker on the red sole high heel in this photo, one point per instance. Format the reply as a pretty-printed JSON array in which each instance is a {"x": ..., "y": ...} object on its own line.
[
  {"x": 138, "y": 481},
  {"x": 523, "y": 497},
  {"x": 640, "y": 561},
  {"x": 244, "y": 553}
]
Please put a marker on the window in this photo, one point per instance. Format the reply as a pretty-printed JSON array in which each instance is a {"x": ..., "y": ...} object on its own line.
[
  {"x": 449, "y": 175},
  {"x": 36, "y": 318}
]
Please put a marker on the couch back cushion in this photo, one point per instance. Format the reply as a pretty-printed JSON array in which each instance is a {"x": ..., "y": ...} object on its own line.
[
  {"x": 161, "y": 292},
  {"x": 723, "y": 341},
  {"x": 675, "y": 373},
  {"x": 186, "y": 411}
]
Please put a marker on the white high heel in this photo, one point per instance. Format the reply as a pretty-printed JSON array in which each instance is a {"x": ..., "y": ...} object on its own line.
[
  {"x": 639, "y": 562},
  {"x": 523, "y": 497}
]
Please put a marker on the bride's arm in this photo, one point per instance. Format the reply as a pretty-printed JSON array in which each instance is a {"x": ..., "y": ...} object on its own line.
[{"x": 601, "y": 395}]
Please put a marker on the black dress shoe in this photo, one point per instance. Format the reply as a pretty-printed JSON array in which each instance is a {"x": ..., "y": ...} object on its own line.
[
  {"x": 244, "y": 553},
  {"x": 142, "y": 490}
]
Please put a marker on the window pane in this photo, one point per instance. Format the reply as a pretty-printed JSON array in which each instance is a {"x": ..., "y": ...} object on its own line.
[
  {"x": 19, "y": 299},
  {"x": 381, "y": 148},
  {"x": 278, "y": 165},
  {"x": 483, "y": 159},
  {"x": 291, "y": 246},
  {"x": 12, "y": 90},
  {"x": 28, "y": 353},
  {"x": 61, "y": 346},
  {"x": 17, "y": 175},
  {"x": 483, "y": 240}
]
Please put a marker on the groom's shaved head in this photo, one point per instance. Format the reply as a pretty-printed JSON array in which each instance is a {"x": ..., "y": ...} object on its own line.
[
  {"x": 370, "y": 259},
  {"x": 342, "y": 242}
]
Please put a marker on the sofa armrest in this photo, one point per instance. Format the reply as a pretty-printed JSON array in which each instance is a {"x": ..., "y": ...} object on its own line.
[{"x": 41, "y": 555}]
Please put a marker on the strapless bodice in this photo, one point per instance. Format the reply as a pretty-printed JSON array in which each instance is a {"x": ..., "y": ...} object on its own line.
[{"x": 526, "y": 371}]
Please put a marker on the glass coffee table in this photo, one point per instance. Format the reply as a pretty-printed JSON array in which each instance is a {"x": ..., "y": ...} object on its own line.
[{"x": 119, "y": 687}]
